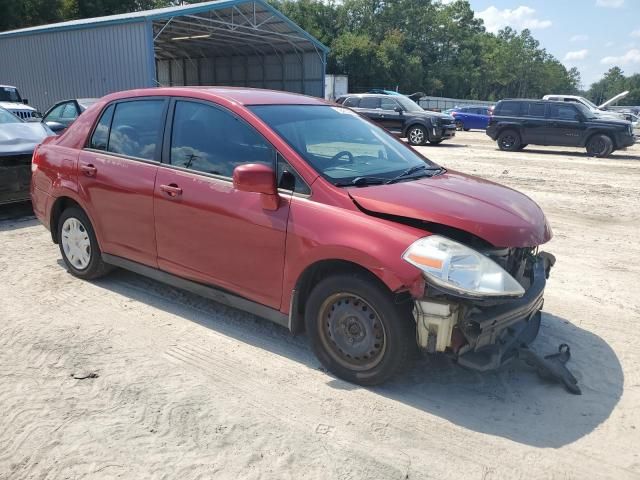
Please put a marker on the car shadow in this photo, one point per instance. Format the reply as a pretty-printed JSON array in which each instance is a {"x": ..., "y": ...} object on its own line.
[
  {"x": 617, "y": 155},
  {"x": 512, "y": 402},
  {"x": 16, "y": 215}
]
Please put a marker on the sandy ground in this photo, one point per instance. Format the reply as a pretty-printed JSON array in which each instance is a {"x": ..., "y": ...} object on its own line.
[{"x": 187, "y": 389}]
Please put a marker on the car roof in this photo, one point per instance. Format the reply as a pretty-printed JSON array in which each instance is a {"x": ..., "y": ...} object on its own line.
[{"x": 240, "y": 95}]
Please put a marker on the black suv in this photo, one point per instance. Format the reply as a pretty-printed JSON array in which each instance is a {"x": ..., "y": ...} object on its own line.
[
  {"x": 402, "y": 116},
  {"x": 517, "y": 123}
]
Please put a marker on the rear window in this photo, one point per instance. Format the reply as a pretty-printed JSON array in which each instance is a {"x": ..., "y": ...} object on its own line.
[
  {"x": 508, "y": 108},
  {"x": 136, "y": 128}
]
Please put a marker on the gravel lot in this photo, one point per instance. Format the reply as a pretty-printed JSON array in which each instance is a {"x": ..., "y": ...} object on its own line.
[{"x": 186, "y": 388}]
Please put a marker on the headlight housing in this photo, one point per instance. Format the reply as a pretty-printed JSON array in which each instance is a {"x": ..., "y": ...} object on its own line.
[
  {"x": 434, "y": 120},
  {"x": 454, "y": 266}
]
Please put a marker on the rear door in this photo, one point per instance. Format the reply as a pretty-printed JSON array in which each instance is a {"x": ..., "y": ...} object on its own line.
[
  {"x": 117, "y": 173},
  {"x": 207, "y": 230},
  {"x": 564, "y": 126},
  {"x": 534, "y": 123}
]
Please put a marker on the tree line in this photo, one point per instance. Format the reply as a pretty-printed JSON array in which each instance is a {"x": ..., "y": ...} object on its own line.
[{"x": 409, "y": 45}]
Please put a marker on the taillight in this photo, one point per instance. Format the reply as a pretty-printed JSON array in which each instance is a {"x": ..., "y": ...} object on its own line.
[
  {"x": 453, "y": 114},
  {"x": 35, "y": 159}
]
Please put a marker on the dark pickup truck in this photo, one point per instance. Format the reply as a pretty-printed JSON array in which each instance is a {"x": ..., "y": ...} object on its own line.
[
  {"x": 518, "y": 123},
  {"x": 402, "y": 116}
]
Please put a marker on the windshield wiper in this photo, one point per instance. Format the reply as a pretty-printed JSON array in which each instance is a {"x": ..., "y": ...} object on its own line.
[
  {"x": 410, "y": 171},
  {"x": 362, "y": 182}
]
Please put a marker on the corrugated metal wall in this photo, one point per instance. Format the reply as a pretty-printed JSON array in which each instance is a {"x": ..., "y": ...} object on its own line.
[
  {"x": 51, "y": 66},
  {"x": 294, "y": 72}
]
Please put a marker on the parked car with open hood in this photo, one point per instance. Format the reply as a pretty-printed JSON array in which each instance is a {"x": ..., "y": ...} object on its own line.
[
  {"x": 598, "y": 110},
  {"x": 11, "y": 100},
  {"x": 402, "y": 117},
  {"x": 64, "y": 113},
  {"x": 17, "y": 141},
  {"x": 302, "y": 212},
  {"x": 517, "y": 123}
]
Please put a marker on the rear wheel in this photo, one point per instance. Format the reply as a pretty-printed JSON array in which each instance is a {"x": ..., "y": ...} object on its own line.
[
  {"x": 599, "y": 146},
  {"x": 459, "y": 125},
  {"x": 509, "y": 140},
  {"x": 79, "y": 246},
  {"x": 417, "y": 135},
  {"x": 357, "y": 331}
]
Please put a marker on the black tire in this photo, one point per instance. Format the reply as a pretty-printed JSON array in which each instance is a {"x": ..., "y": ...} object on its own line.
[
  {"x": 600, "y": 146},
  {"x": 369, "y": 339},
  {"x": 436, "y": 142},
  {"x": 509, "y": 141},
  {"x": 466, "y": 129},
  {"x": 95, "y": 267},
  {"x": 459, "y": 125},
  {"x": 523, "y": 146},
  {"x": 417, "y": 135}
]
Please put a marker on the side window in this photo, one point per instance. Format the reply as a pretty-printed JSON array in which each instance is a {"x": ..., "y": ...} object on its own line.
[
  {"x": 370, "y": 102},
  {"x": 211, "y": 140},
  {"x": 532, "y": 109},
  {"x": 351, "y": 102},
  {"x": 100, "y": 135},
  {"x": 509, "y": 108},
  {"x": 289, "y": 179},
  {"x": 56, "y": 113},
  {"x": 136, "y": 128},
  {"x": 559, "y": 111},
  {"x": 70, "y": 112},
  {"x": 388, "y": 104}
]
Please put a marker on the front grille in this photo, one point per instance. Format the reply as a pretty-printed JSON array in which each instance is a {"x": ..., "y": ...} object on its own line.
[
  {"x": 445, "y": 121},
  {"x": 23, "y": 114},
  {"x": 513, "y": 260}
]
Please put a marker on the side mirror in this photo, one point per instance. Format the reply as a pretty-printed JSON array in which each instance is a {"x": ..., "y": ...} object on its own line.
[
  {"x": 55, "y": 126},
  {"x": 257, "y": 178},
  {"x": 25, "y": 101},
  {"x": 399, "y": 109}
]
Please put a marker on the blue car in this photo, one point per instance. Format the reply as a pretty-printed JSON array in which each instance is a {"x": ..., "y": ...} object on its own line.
[{"x": 476, "y": 117}]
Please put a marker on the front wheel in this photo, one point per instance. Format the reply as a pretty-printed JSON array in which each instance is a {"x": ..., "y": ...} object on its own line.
[
  {"x": 417, "y": 135},
  {"x": 357, "y": 331},
  {"x": 599, "y": 146},
  {"x": 79, "y": 246}
]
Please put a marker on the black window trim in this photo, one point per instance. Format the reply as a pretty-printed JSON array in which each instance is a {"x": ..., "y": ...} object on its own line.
[{"x": 158, "y": 152}]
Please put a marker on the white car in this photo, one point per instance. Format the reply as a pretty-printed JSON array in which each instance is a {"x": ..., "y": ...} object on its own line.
[
  {"x": 11, "y": 100},
  {"x": 599, "y": 110}
]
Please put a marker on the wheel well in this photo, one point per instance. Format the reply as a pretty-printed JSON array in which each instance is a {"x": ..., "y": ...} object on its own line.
[
  {"x": 60, "y": 205},
  {"x": 310, "y": 278},
  {"x": 507, "y": 128}
]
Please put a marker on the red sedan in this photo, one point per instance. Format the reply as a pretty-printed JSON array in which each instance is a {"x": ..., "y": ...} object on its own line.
[{"x": 301, "y": 212}]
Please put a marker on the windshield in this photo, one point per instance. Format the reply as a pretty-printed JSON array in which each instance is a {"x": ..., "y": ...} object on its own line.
[
  {"x": 408, "y": 104},
  {"x": 585, "y": 111},
  {"x": 339, "y": 144},
  {"x": 6, "y": 117},
  {"x": 9, "y": 94},
  {"x": 590, "y": 103}
]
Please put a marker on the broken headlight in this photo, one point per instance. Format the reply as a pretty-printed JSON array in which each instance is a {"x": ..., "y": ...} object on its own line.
[{"x": 454, "y": 266}]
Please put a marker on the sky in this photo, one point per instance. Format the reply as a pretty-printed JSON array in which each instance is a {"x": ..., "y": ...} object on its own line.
[{"x": 592, "y": 35}]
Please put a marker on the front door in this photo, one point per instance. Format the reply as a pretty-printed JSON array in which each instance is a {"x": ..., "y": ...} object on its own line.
[
  {"x": 206, "y": 230},
  {"x": 392, "y": 116},
  {"x": 563, "y": 125},
  {"x": 117, "y": 173}
]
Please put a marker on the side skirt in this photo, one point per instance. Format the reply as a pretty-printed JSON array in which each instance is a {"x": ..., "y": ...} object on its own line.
[{"x": 203, "y": 290}]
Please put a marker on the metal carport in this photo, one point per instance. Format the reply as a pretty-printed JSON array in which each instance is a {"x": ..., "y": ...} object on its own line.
[{"x": 223, "y": 42}]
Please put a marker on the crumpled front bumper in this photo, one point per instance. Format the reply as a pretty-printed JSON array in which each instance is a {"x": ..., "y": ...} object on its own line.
[{"x": 485, "y": 337}]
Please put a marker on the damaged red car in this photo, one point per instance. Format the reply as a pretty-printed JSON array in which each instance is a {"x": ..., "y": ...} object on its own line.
[{"x": 301, "y": 212}]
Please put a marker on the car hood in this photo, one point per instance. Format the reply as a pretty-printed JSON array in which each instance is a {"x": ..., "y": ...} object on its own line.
[
  {"x": 495, "y": 213},
  {"x": 16, "y": 106},
  {"x": 614, "y": 99},
  {"x": 20, "y": 138}
]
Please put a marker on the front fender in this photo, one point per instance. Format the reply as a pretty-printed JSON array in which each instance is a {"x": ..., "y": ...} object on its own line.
[{"x": 318, "y": 232}]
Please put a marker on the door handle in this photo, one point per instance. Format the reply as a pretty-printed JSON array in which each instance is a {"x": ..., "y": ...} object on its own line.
[
  {"x": 89, "y": 170},
  {"x": 172, "y": 189}
]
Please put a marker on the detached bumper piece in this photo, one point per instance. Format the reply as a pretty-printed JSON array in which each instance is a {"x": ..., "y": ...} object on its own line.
[{"x": 552, "y": 367}]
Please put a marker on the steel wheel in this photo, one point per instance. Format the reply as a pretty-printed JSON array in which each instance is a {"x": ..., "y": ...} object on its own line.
[
  {"x": 416, "y": 136},
  {"x": 76, "y": 244},
  {"x": 352, "y": 332}
]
